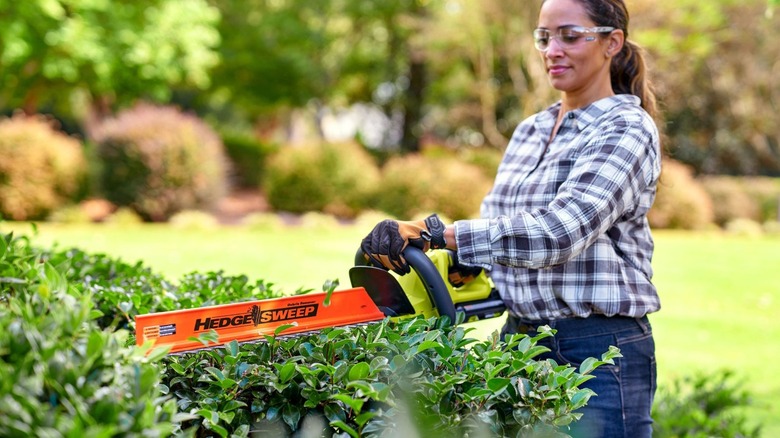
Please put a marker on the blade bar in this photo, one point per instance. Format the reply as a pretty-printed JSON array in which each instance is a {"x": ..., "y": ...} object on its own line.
[{"x": 253, "y": 320}]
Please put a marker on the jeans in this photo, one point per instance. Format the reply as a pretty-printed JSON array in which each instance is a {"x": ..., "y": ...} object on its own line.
[{"x": 625, "y": 390}]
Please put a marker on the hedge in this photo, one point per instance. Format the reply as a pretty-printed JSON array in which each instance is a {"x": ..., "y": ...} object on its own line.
[{"x": 65, "y": 324}]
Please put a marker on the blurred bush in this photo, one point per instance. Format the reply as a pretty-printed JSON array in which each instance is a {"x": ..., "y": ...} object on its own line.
[
  {"x": 765, "y": 191},
  {"x": 124, "y": 217},
  {"x": 730, "y": 200},
  {"x": 159, "y": 161},
  {"x": 681, "y": 201},
  {"x": 248, "y": 156},
  {"x": 262, "y": 221},
  {"x": 744, "y": 227},
  {"x": 416, "y": 184},
  {"x": 737, "y": 198},
  {"x": 193, "y": 220},
  {"x": 486, "y": 159},
  {"x": 339, "y": 179},
  {"x": 41, "y": 169},
  {"x": 704, "y": 405}
]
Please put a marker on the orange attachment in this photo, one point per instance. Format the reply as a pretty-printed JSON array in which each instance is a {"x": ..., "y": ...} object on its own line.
[{"x": 252, "y": 320}]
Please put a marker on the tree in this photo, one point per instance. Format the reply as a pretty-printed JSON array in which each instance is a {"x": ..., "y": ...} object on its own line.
[
  {"x": 272, "y": 53},
  {"x": 113, "y": 52},
  {"x": 488, "y": 75},
  {"x": 716, "y": 64}
]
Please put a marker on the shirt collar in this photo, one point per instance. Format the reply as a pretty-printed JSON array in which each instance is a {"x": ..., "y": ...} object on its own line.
[{"x": 582, "y": 117}]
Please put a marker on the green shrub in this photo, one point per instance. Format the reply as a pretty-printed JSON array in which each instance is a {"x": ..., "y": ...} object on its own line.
[
  {"x": 70, "y": 372},
  {"x": 681, "y": 201},
  {"x": 368, "y": 381},
  {"x": 62, "y": 374},
  {"x": 415, "y": 184},
  {"x": 703, "y": 406},
  {"x": 338, "y": 179},
  {"x": 123, "y": 290},
  {"x": 41, "y": 170},
  {"x": 160, "y": 161},
  {"x": 248, "y": 157}
]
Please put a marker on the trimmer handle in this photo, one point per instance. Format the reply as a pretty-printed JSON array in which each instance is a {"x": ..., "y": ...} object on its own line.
[{"x": 429, "y": 276}]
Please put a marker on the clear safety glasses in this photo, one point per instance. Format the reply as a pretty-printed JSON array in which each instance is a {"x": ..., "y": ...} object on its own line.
[{"x": 567, "y": 37}]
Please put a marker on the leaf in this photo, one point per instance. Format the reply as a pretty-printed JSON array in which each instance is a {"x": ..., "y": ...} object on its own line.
[
  {"x": 355, "y": 404},
  {"x": 334, "y": 412},
  {"x": 210, "y": 415},
  {"x": 233, "y": 405},
  {"x": 580, "y": 398},
  {"x": 215, "y": 372},
  {"x": 284, "y": 327},
  {"x": 95, "y": 343},
  {"x": 227, "y": 383},
  {"x": 219, "y": 429},
  {"x": 177, "y": 368},
  {"x": 232, "y": 347},
  {"x": 381, "y": 391},
  {"x": 589, "y": 364},
  {"x": 291, "y": 415},
  {"x": 498, "y": 384},
  {"x": 206, "y": 337},
  {"x": 54, "y": 279},
  {"x": 227, "y": 417},
  {"x": 335, "y": 333},
  {"x": 343, "y": 426},
  {"x": 287, "y": 372},
  {"x": 359, "y": 371},
  {"x": 364, "y": 417},
  {"x": 125, "y": 306},
  {"x": 612, "y": 353},
  {"x": 329, "y": 286},
  {"x": 158, "y": 353},
  {"x": 427, "y": 345},
  {"x": 361, "y": 385}
]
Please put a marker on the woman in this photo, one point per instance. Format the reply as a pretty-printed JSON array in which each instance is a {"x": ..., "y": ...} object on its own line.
[{"x": 564, "y": 231}]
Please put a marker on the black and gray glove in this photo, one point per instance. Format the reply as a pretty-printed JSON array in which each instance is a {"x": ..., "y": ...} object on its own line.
[{"x": 384, "y": 245}]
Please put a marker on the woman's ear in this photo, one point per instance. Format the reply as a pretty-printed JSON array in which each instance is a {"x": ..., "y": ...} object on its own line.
[{"x": 615, "y": 42}]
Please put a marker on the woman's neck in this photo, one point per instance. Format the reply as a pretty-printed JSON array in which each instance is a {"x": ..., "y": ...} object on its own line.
[{"x": 571, "y": 100}]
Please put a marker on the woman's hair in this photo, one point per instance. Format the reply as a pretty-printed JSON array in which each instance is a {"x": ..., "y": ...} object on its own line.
[{"x": 628, "y": 70}]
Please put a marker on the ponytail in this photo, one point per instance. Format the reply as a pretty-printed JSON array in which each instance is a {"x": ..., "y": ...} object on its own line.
[
  {"x": 628, "y": 69},
  {"x": 629, "y": 76}
]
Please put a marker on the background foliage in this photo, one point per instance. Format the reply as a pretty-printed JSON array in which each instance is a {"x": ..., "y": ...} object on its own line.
[{"x": 461, "y": 72}]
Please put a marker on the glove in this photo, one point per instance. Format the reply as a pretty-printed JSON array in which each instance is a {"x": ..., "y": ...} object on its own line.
[
  {"x": 458, "y": 274},
  {"x": 384, "y": 245}
]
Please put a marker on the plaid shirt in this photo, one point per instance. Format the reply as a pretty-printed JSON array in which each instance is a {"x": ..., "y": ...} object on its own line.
[{"x": 565, "y": 231}]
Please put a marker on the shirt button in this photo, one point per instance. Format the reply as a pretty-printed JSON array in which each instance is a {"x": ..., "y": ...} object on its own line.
[{"x": 571, "y": 115}]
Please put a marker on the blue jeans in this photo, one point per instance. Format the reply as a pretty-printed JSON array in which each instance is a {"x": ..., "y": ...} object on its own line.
[{"x": 624, "y": 391}]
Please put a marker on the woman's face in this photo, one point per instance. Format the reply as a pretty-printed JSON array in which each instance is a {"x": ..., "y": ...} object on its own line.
[{"x": 579, "y": 67}]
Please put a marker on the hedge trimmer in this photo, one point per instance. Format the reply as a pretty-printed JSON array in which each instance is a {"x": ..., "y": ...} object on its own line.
[{"x": 375, "y": 294}]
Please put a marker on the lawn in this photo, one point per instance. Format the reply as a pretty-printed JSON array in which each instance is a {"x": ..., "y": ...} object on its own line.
[{"x": 720, "y": 293}]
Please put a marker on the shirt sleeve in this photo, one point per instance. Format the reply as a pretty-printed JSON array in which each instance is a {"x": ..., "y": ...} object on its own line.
[{"x": 608, "y": 176}]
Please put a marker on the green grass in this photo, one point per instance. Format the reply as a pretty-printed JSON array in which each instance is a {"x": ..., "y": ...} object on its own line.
[{"x": 720, "y": 294}]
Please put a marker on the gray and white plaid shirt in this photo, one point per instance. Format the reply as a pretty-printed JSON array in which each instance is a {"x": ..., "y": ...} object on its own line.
[{"x": 564, "y": 228}]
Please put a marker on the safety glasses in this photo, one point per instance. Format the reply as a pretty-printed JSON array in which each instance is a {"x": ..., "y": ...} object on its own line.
[{"x": 568, "y": 37}]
